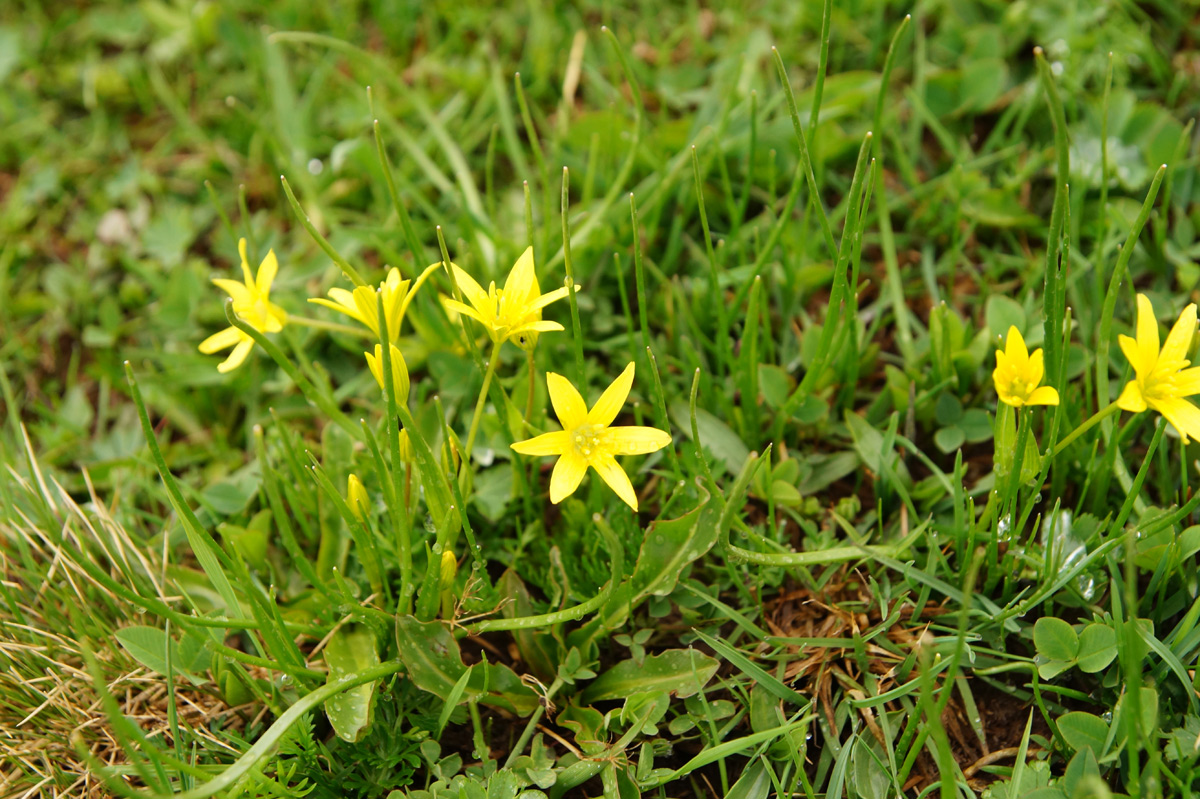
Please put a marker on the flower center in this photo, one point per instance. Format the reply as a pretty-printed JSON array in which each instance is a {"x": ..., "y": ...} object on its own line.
[{"x": 586, "y": 439}]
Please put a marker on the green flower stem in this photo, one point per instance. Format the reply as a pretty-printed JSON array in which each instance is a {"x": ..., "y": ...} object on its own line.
[
  {"x": 1136, "y": 488},
  {"x": 532, "y": 386},
  {"x": 487, "y": 382},
  {"x": 1095, "y": 419},
  {"x": 333, "y": 327},
  {"x": 229, "y": 777},
  {"x": 403, "y": 534}
]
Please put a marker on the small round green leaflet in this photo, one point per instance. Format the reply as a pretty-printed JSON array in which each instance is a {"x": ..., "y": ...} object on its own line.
[{"x": 1057, "y": 646}]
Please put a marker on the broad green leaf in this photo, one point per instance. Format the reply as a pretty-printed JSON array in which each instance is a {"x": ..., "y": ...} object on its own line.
[
  {"x": 352, "y": 649},
  {"x": 1006, "y": 446},
  {"x": 1097, "y": 647},
  {"x": 755, "y": 783},
  {"x": 671, "y": 544},
  {"x": 1055, "y": 639},
  {"x": 678, "y": 671},
  {"x": 148, "y": 646},
  {"x": 1001, "y": 313},
  {"x": 1083, "y": 730},
  {"x": 434, "y": 662},
  {"x": 715, "y": 436}
]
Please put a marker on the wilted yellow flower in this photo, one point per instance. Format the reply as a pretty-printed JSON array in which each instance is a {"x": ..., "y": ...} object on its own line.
[
  {"x": 356, "y": 497},
  {"x": 513, "y": 313},
  {"x": 252, "y": 304},
  {"x": 360, "y": 304},
  {"x": 1018, "y": 374},
  {"x": 1162, "y": 380},
  {"x": 399, "y": 370},
  {"x": 587, "y": 440}
]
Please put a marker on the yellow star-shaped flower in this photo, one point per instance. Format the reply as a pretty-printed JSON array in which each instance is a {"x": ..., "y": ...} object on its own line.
[
  {"x": 252, "y": 303},
  {"x": 1018, "y": 374},
  {"x": 1162, "y": 379},
  {"x": 360, "y": 304},
  {"x": 588, "y": 440},
  {"x": 513, "y": 313}
]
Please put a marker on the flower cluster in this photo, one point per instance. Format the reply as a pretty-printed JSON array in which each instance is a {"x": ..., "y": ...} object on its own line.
[
  {"x": 1162, "y": 378},
  {"x": 512, "y": 313}
]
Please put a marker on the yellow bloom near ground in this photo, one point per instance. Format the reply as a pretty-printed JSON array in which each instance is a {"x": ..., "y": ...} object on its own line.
[
  {"x": 1162, "y": 380},
  {"x": 1018, "y": 374},
  {"x": 588, "y": 440},
  {"x": 252, "y": 303},
  {"x": 513, "y": 313},
  {"x": 360, "y": 304}
]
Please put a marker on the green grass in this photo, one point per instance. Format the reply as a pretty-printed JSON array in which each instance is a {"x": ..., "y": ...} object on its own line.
[{"x": 852, "y": 573}]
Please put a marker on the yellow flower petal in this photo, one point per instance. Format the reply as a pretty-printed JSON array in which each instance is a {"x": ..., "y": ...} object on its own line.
[
  {"x": 274, "y": 320},
  {"x": 1147, "y": 331},
  {"x": 635, "y": 440},
  {"x": 610, "y": 402},
  {"x": 521, "y": 283},
  {"x": 400, "y": 380},
  {"x": 236, "y": 357},
  {"x": 1187, "y": 382},
  {"x": 1014, "y": 346},
  {"x": 555, "y": 443},
  {"x": 350, "y": 311},
  {"x": 535, "y": 327},
  {"x": 221, "y": 340},
  {"x": 266, "y": 273},
  {"x": 462, "y": 308},
  {"x": 239, "y": 293},
  {"x": 1183, "y": 415},
  {"x": 568, "y": 473},
  {"x": 611, "y": 472},
  {"x": 412, "y": 293},
  {"x": 1037, "y": 367},
  {"x": 568, "y": 405},
  {"x": 1131, "y": 398},
  {"x": 471, "y": 290},
  {"x": 543, "y": 300},
  {"x": 1133, "y": 354},
  {"x": 1043, "y": 395},
  {"x": 246, "y": 276},
  {"x": 1179, "y": 340}
]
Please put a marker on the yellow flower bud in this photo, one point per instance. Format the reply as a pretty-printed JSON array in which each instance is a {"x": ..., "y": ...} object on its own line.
[
  {"x": 399, "y": 370},
  {"x": 449, "y": 567},
  {"x": 449, "y": 570},
  {"x": 406, "y": 448},
  {"x": 356, "y": 497}
]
